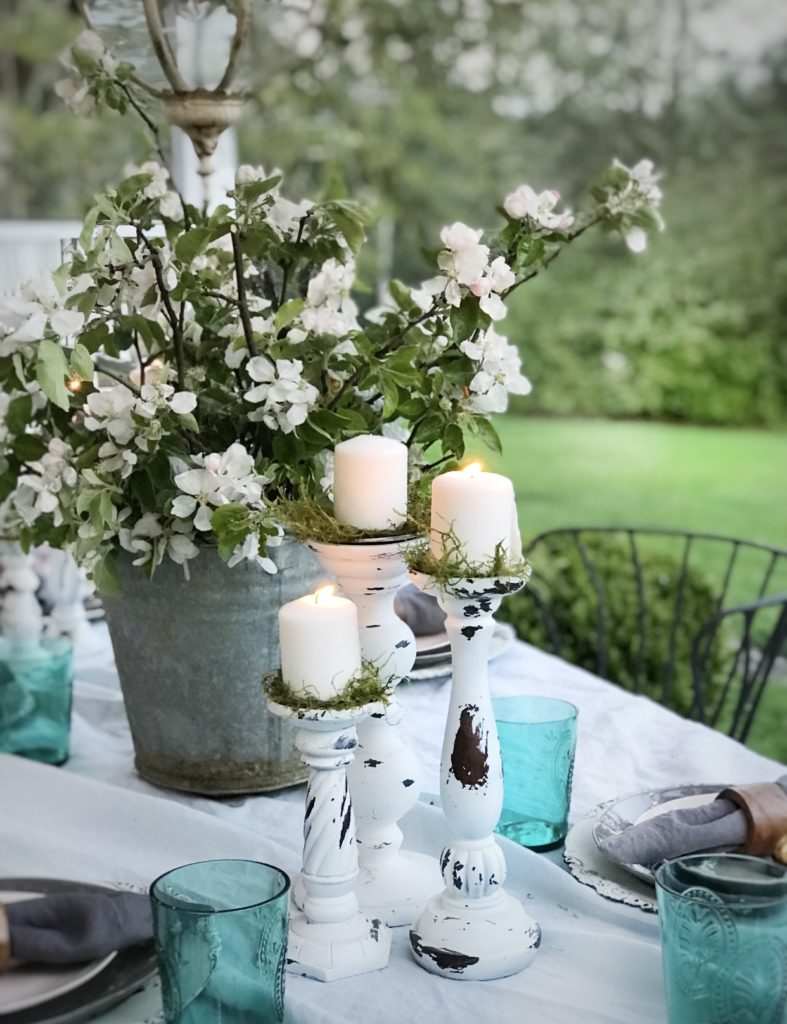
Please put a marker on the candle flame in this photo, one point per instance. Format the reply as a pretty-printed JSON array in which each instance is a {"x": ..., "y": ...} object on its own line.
[
  {"x": 74, "y": 383},
  {"x": 323, "y": 592},
  {"x": 473, "y": 469}
]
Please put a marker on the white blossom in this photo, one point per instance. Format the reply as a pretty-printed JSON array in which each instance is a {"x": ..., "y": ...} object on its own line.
[
  {"x": 74, "y": 91},
  {"x": 329, "y": 310},
  {"x": 38, "y": 307},
  {"x": 111, "y": 410},
  {"x": 217, "y": 479},
  {"x": 37, "y": 493},
  {"x": 527, "y": 204},
  {"x": 286, "y": 398},
  {"x": 114, "y": 459},
  {"x": 498, "y": 278},
  {"x": 499, "y": 372},
  {"x": 249, "y": 551}
]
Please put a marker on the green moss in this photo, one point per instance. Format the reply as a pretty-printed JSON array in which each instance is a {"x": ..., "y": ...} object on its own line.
[
  {"x": 364, "y": 688},
  {"x": 454, "y": 564},
  {"x": 312, "y": 519}
]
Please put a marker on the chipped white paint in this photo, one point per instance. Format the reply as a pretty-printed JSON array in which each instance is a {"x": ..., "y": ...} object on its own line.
[
  {"x": 473, "y": 929},
  {"x": 329, "y": 937},
  {"x": 385, "y": 778}
]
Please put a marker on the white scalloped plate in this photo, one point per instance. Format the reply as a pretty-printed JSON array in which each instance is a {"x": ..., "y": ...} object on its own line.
[{"x": 590, "y": 867}]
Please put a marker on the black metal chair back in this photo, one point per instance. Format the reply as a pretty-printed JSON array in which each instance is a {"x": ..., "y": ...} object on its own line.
[{"x": 749, "y": 619}]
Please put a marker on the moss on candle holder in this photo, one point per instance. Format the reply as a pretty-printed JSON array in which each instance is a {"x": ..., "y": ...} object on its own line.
[
  {"x": 367, "y": 687},
  {"x": 312, "y": 519},
  {"x": 454, "y": 564}
]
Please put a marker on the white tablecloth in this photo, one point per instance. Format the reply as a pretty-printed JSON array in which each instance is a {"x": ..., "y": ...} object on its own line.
[{"x": 599, "y": 962}]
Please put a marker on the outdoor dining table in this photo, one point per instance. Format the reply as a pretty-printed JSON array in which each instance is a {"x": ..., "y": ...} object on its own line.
[{"x": 96, "y": 820}]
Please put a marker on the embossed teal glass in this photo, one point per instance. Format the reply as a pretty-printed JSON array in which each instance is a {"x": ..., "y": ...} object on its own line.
[
  {"x": 538, "y": 737},
  {"x": 221, "y": 941},
  {"x": 724, "y": 939},
  {"x": 35, "y": 699}
]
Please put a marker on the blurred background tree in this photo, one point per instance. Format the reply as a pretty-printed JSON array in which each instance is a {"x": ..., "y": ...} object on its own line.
[{"x": 429, "y": 111}]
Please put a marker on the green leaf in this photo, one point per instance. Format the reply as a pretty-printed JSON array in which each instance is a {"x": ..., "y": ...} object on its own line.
[
  {"x": 118, "y": 248},
  {"x": 51, "y": 372},
  {"x": 390, "y": 396},
  {"x": 28, "y": 448},
  {"x": 287, "y": 312},
  {"x": 192, "y": 243},
  {"x": 105, "y": 575},
  {"x": 349, "y": 218},
  {"x": 254, "y": 189},
  {"x": 93, "y": 337},
  {"x": 464, "y": 319},
  {"x": 81, "y": 363},
  {"x": 231, "y": 524},
  {"x": 17, "y": 415},
  {"x": 454, "y": 440},
  {"x": 132, "y": 187},
  {"x": 484, "y": 429},
  {"x": 88, "y": 227},
  {"x": 400, "y": 293},
  {"x": 88, "y": 456}
]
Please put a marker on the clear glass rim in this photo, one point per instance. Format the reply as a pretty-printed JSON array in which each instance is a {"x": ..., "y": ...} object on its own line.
[
  {"x": 765, "y": 900},
  {"x": 285, "y": 879},
  {"x": 572, "y": 711}
]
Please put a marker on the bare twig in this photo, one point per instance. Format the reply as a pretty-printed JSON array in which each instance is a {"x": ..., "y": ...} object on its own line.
[
  {"x": 536, "y": 270},
  {"x": 153, "y": 128},
  {"x": 175, "y": 321},
  {"x": 286, "y": 273},
  {"x": 243, "y": 306}
]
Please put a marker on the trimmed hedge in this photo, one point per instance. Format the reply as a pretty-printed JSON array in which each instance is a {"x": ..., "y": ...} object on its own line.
[{"x": 561, "y": 578}]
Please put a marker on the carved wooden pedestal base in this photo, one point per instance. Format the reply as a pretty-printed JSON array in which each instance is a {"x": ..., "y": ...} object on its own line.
[
  {"x": 473, "y": 929},
  {"x": 385, "y": 777},
  {"x": 329, "y": 937}
]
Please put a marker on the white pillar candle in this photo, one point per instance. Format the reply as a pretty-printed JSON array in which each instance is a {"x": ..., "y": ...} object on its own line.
[
  {"x": 478, "y": 510},
  {"x": 320, "y": 646},
  {"x": 370, "y": 482}
]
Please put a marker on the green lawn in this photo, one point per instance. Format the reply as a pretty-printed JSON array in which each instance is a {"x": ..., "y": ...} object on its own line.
[{"x": 596, "y": 472}]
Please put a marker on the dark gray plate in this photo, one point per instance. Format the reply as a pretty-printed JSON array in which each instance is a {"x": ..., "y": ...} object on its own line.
[{"x": 130, "y": 970}]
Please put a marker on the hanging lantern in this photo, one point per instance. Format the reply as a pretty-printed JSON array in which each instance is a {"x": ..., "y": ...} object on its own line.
[{"x": 188, "y": 53}]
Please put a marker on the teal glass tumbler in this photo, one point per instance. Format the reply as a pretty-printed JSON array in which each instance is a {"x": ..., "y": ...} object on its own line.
[
  {"x": 35, "y": 699},
  {"x": 538, "y": 737},
  {"x": 221, "y": 942},
  {"x": 724, "y": 939}
]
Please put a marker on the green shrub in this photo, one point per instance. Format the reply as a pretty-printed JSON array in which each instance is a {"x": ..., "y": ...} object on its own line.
[{"x": 561, "y": 578}]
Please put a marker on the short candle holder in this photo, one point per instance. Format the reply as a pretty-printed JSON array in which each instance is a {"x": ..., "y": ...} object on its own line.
[
  {"x": 329, "y": 937},
  {"x": 385, "y": 777},
  {"x": 473, "y": 929}
]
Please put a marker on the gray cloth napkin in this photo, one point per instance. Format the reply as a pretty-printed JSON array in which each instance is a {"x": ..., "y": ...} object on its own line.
[
  {"x": 718, "y": 826},
  {"x": 71, "y": 927},
  {"x": 420, "y": 611}
]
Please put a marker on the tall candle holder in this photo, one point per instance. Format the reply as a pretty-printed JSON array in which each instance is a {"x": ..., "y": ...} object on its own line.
[
  {"x": 385, "y": 777},
  {"x": 473, "y": 929},
  {"x": 329, "y": 936}
]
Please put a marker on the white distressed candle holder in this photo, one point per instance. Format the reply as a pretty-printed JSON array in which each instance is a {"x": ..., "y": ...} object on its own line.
[
  {"x": 329, "y": 936},
  {"x": 385, "y": 778},
  {"x": 473, "y": 929}
]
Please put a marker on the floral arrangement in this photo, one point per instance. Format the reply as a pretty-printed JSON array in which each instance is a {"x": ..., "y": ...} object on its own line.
[{"x": 184, "y": 370}]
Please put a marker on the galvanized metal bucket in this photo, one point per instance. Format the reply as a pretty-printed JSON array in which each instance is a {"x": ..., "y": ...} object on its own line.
[{"x": 191, "y": 655}]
